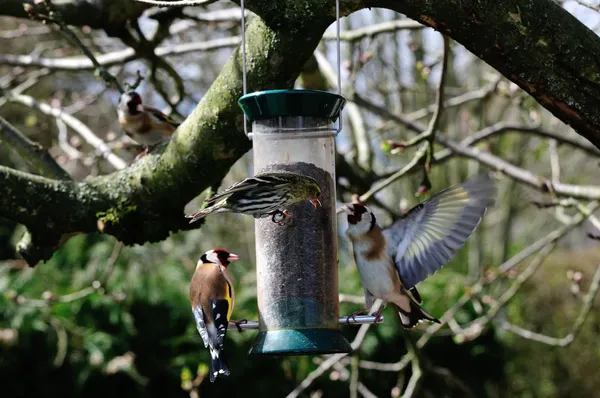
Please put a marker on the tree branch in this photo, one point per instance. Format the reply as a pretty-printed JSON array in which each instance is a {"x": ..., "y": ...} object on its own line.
[
  {"x": 553, "y": 58},
  {"x": 145, "y": 202},
  {"x": 31, "y": 152},
  {"x": 588, "y": 302}
]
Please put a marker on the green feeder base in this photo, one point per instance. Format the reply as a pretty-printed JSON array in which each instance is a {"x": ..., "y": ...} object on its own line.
[{"x": 300, "y": 342}]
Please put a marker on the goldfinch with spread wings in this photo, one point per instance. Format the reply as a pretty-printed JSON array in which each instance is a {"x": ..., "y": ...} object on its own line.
[{"x": 392, "y": 261}]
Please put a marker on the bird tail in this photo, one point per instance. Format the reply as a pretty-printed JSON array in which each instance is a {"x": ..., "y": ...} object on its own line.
[
  {"x": 201, "y": 213},
  {"x": 217, "y": 365},
  {"x": 416, "y": 314}
]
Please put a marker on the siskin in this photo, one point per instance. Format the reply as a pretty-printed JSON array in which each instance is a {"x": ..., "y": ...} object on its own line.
[{"x": 263, "y": 195}]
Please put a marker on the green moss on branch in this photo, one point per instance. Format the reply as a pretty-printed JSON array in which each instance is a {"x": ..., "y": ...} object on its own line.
[{"x": 145, "y": 202}]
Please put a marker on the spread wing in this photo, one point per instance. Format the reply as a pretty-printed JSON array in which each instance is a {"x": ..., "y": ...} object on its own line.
[
  {"x": 258, "y": 186},
  {"x": 428, "y": 236},
  {"x": 161, "y": 116}
]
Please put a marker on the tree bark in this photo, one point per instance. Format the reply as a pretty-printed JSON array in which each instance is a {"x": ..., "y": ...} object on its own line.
[{"x": 536, "y": 44}]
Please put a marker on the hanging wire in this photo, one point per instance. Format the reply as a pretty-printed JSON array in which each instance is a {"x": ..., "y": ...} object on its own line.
[
  {"x": 339, "y": 60},
  {"x": 244, "y": 88},
  {"x": 338, "y": 54}
]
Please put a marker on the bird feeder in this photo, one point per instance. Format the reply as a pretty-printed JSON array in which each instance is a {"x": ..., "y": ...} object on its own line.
[{"x": 296, "y": 263}]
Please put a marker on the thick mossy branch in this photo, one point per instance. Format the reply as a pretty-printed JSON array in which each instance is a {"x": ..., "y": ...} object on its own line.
[
  {"x": 145, "y": 202},
  {"x": 537, "y": 44}
]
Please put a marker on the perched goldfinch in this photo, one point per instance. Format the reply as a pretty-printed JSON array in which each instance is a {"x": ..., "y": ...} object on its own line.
[
  {"x": 212, "y": 298},
  {"x": 146, "y": 125},
  {"x": 263, "y": 195},
  {"x": 417, "y": 245}
]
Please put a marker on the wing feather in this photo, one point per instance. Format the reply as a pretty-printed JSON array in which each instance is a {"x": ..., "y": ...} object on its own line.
[
  {"x": 219, "y": 309},
  {"x": 427, "y": 237},
  {"x": 161, "y": 116},
  {"x": 200, "y": 324},
  {"x": 260, "y": 185}
]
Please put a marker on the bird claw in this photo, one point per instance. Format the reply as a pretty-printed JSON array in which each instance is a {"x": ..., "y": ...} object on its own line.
[
  {"x": 279, "y": 217},
  {"x": 141, "y": 155},
  {"x": 377, "y": 315},
  {"x": 354, "y": 314},
  {"x": 238, "y": 323}
]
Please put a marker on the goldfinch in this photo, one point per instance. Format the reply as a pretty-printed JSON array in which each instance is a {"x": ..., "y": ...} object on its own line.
[
  {"x": 212, "y": 298},
  {"x": 263, "y": 195},
  {"x": 146, "y": 125},
  {"x": 392, "y": 261}
]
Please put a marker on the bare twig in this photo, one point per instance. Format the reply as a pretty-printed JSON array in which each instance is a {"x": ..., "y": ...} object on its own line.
[
  {"x": 374, "y": 30},
  {"x": 430, "y": 133},
  {"x": 34, "y": 154},
  {"x": 474, "y": 328},
  {"x": 494, "y": 162},
  {"x": 54, "y": 16},
  {"x": 63, "y": 141},
  {"x": 332, "y": 360},
  {"x": 588, "y": 302},
  {"x": 406, "y": 169},
  {"x": 478, "y": 94},
  {"x": 415, "y": 378},
  {"x": 50, "y": 298},
  {"x": 361, "y": 138},
  {"x": 538, "y": 245},
  {"x": 354, "y": 376},
  {"x": 74, "y": 123},
  {"x": 588, "y": 5},
  {"x": 348, "y": 298},
  {"x": 116, "y": 57}
]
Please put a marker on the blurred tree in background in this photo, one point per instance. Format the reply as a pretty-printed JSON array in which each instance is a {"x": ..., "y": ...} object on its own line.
[{"x": 105, "y": 312}]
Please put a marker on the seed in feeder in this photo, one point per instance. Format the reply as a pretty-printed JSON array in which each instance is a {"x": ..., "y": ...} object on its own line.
[{"x": 297, "y": 270}]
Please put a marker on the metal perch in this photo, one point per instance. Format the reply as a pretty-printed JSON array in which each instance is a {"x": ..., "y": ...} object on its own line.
[{"x": 360, "y": 320}]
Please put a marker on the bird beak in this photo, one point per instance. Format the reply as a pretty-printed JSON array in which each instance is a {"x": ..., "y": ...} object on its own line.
[
  {"x": 315, "y": 202},
  {"x": 233, "y": 257},
  {"x": 140, "y": 108},
  {"x": 348, "y": 209}
]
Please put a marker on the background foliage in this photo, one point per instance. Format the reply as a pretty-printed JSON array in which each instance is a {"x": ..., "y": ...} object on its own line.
[{"x": 101, "y": 319}]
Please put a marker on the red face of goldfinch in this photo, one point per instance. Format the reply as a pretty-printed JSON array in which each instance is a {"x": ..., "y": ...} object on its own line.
[
  {"x": 146, "y": 125},
  {"x": 219, "y": 256},
  {"x": 360, "y": 218},
  {"x": 133, "y": 102}
]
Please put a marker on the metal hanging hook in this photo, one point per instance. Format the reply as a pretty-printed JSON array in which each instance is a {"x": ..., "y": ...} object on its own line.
[{"x": 338, "y": 53}]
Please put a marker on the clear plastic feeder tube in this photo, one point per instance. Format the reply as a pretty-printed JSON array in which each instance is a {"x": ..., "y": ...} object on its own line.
[{"x": 296, "y": 263}]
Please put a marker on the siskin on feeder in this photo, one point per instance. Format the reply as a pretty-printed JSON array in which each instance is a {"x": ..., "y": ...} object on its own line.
[{"x": 263, "y": 195}]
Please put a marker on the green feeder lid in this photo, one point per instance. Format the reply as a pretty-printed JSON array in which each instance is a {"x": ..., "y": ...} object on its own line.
[{"x": 275, "y": 103}]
